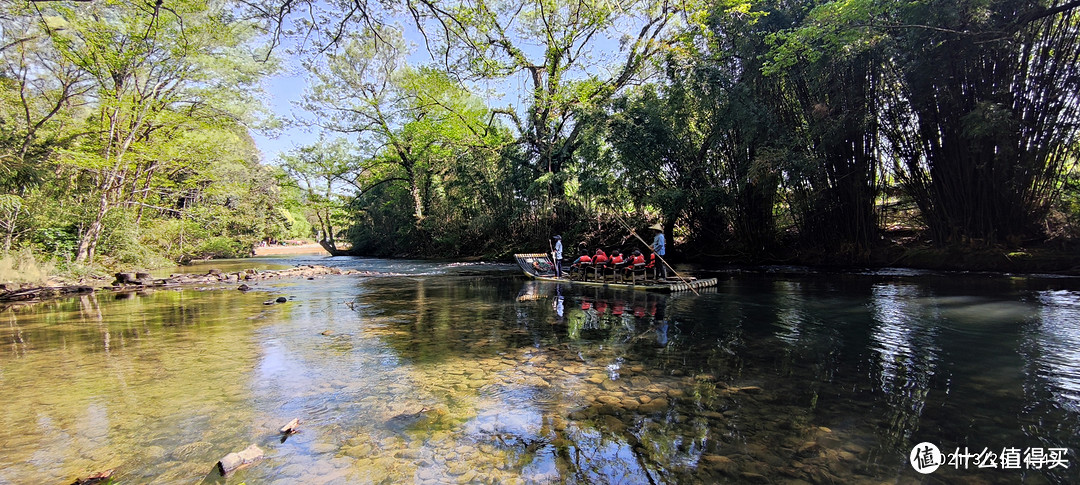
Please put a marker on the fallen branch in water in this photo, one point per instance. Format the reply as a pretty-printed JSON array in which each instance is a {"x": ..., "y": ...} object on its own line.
[{"x": 292, "y": 427}]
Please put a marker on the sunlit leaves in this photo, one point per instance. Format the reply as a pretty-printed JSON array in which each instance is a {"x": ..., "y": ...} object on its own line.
[{"x": 839, "y": 28}]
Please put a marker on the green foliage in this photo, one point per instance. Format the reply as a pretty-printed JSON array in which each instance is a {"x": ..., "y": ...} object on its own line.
[
  {"x": 735, "y": 123},
  {"x": 125, "y": 132},
  {"x": 220, "y": 247}
]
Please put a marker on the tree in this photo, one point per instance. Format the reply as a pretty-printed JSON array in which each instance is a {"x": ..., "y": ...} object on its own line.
[
  {"x": 155, "y": 70},
  {"x": 409, "y": 123},
  {"x": 834, "y": 101},
  {"x": 359, "y": 90},
  {"x": 702, "y": 146},
  {"x": 324, "y": 171},
  {"x": 979, "y": 103},
  {"x": 568, "y": 77},
  {"x": 39, "y": 89}
]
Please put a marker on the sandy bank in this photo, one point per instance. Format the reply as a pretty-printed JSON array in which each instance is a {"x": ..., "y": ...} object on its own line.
[{"x": 312, "y": 248}]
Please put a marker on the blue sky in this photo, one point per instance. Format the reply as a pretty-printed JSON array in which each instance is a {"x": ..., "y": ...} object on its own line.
[
  {"x": 286, "y": 89},
  {"x": 282, "y": 91}
]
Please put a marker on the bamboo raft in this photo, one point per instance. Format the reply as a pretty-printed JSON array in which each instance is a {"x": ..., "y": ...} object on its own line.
[{"x": 539, "y": 266}]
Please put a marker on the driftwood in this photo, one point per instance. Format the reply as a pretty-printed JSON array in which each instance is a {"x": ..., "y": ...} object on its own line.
[
  {"x": 99, "y": 477},
  {"x": 238, "y": 460},
  {"x": 42, "y": 292},
  {"x": 292, "y": 427}
]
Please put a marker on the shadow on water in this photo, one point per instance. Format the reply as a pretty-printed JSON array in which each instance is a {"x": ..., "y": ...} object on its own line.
[{"x": 467, "y": 373}]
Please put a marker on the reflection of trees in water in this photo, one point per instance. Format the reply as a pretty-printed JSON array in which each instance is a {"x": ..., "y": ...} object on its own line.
[
  {"x": 904, "y": 339},
  {"x": 871, "y": 350},
  {"x": 1051, "y": 350},
  {"x": 122, "y": 382}
]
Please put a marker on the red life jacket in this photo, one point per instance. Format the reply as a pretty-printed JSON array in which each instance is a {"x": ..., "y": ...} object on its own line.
[
  {"x": 652, "y": 261},
  {"x": 639, "y": 259},
  {"x": 616, "y": 259},
  {"x": 586, "y": 259},
  {"x": 600, "y": 258}
]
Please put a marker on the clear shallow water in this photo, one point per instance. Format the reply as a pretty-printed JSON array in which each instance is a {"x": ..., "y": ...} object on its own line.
[{"x": 775, "y": 377}]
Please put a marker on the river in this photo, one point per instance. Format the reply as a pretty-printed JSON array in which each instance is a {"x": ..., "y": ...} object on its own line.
[{"x": 469, "y": 373}]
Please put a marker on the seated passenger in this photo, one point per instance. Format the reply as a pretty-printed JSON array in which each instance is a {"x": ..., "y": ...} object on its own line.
[
  {"x": 542, "y": 267},
  {"x": 582, "y": 260},
  {"x": 659, "y": 270},
  {"x": 600, "y": 257},
  {"x": 637, "y": 260},
  {"x": 616, "y": 262}
]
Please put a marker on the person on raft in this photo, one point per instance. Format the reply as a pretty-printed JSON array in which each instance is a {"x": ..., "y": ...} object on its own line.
[{"x": 658, "y": 248}]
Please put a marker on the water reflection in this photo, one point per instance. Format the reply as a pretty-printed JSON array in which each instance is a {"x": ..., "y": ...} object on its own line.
[
  {"x": 904, "y": 339},
  {"x": 471, "y": 375},
  {"x": 1051, "y": 347},
  {"x": 1057, "y": 342}
]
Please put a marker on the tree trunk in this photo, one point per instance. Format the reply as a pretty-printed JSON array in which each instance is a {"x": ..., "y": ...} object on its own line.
[
  {"x": 88, "y": 242},
  {"x": 418, "y": 200},
  {"x": 10, "y": 233}
]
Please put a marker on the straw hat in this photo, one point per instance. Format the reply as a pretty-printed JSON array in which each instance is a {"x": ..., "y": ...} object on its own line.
[
  {"x": 557, "y": 237},
  {"x": 657, "y": 227}
]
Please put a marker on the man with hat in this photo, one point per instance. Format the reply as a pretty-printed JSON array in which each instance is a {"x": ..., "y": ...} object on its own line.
[
  {"x": 557, "y": 255},
  {"x": 658, "y": 244}
]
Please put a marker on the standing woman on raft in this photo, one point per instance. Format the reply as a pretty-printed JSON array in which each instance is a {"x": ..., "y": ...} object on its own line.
[{"x": 658, "y": 244}]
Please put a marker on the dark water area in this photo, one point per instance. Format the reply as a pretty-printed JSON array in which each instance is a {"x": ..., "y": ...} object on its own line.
[{"x": 469, "y": 373}]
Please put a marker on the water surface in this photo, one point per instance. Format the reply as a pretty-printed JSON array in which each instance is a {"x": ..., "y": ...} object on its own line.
[{"x": 467, "y": 373}]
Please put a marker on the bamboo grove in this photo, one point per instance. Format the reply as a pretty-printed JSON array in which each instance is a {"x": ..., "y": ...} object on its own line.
[{"x": 753, "y": 130}]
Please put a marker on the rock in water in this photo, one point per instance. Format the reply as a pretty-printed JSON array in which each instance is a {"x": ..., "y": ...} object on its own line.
[
  {"x": 235, "y": 461},
  {"x": 405, "y": 420},
  {"x": 99, "y": 477}
]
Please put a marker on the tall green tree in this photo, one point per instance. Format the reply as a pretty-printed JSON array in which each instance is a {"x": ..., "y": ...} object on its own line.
[
  {"x": 556, "y": 48},
  {"x": 154, "y": 70},
  {"x": 326, "y": 172},
  {"x": 360, "y": 89},
  {"x": 834, "y": 101},
  {"x": 979, "y": 103},
  {"x": 414, "y": 128},
  {"x": 40, "y": 90},
  {"x": 701, "y": 147}
]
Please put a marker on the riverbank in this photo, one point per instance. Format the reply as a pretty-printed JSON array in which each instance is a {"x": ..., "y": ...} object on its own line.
[
  {"x": 284, "y": 250},
  {"x": 142, "y": 281},
  {"x": 1044, "y": 259}
]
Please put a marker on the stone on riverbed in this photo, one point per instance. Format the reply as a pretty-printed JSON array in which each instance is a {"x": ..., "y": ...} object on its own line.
[
  {"x": 241, "y": 459},
  {"x": 721, "y": 464},
  {"x": 654, "y": 406}
]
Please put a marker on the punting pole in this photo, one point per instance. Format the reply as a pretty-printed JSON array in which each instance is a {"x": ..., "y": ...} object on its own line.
[{"x": 661, "y": 258}]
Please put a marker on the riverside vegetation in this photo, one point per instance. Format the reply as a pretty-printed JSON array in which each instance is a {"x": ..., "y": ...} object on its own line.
[{"x": 755, "y": 131}]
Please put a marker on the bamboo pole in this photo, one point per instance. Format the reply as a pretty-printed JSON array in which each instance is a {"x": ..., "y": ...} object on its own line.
[{"x": 661, "y": 258}]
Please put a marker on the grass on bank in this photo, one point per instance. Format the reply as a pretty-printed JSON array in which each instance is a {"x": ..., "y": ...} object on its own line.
[{"x": 23, "y": 267}]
